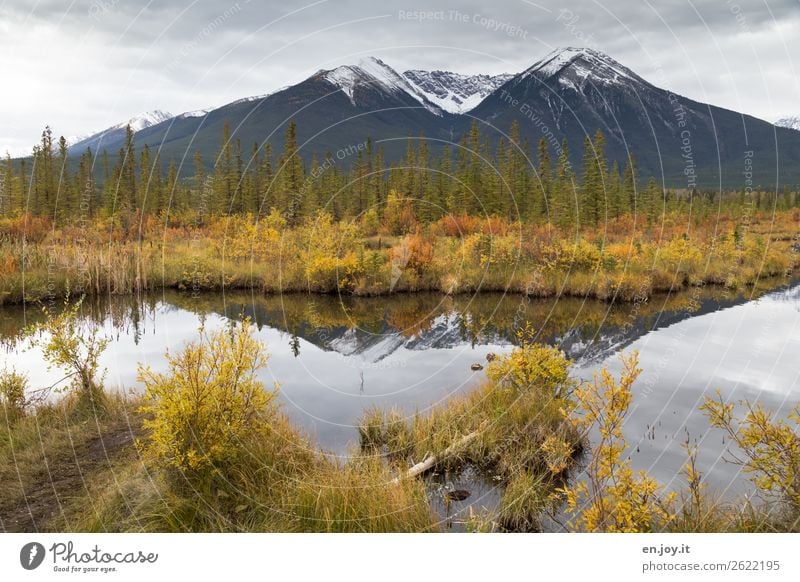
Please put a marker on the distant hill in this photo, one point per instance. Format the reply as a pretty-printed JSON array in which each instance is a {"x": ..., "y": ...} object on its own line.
[{"x": 568, "y": 94}]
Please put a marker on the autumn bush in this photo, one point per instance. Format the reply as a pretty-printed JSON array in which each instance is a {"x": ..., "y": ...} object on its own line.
[
  {"x": 767, "y": 447},
  {"x": 33, "y": 229},
  {"x": 13, "y": 388},
  {"x": 612, "y": 497},
  {"x": 457, "y": 225},
  {"x": 519, "y": 420},
  {"x": 389, "y": 252},
  {"x": 73, "y": 344},
  {"x": 203, "y": 411}
]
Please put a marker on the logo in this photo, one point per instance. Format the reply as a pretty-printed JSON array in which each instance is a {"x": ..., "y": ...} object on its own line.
[{"x": 31, "y": 555}]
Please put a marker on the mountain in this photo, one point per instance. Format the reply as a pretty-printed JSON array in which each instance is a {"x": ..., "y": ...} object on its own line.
[
  {"x": 570, "y": 93},
  {"x": 335, "y": 109},
  {"x": 573, "y": 92},
  {"x": 453, "y": 92},
  {"x": 372, "y": 76},
  {"x": 116, "y": 133},
  {"x": 789, "y": 122}
]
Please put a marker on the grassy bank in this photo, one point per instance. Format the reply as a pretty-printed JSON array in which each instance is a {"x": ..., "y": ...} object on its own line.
[
  {"x": 623, "y": 260},
  {"x": 55, "y": 460},
  {"x": 207, "y": 448}
]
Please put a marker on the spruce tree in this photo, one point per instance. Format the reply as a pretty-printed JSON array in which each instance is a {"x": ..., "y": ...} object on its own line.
[
  {"x": 544, "y": 187},
  {"x": 291, "y": 174}
]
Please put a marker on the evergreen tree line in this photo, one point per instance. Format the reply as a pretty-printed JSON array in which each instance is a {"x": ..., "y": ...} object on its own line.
[{"x": 465, "y": 178}]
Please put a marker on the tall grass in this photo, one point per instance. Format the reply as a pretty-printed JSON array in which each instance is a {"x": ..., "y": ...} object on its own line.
[
  {"x": 622, "y": 261},
  {"x": 524, "y": 441}
]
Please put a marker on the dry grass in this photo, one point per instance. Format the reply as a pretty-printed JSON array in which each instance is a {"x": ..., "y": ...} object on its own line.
[{"x": 623, "y": 260}]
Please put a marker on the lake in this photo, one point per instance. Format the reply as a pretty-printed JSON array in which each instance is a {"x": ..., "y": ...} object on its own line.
[{"x": 333, "y": 357}]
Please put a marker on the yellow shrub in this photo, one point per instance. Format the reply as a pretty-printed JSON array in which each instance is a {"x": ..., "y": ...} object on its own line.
[
  {"x": 203, "y": 410},
  {"x": 680, "y": 256},
  {"x": 13, "y": 388},
  {"x": 580, "y": 255},
  {"x": 531, "y": 366},
  {"x": 501, "y": 251},
  {"x": 771, "y": 446},
  {"x": 613, "y": 498}
]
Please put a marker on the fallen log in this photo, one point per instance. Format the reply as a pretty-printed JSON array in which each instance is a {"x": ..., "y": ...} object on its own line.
[{"x": 432, "y": 460}]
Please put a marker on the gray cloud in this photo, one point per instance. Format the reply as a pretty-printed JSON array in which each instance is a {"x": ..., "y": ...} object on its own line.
[{"x": 97, "y": 62}]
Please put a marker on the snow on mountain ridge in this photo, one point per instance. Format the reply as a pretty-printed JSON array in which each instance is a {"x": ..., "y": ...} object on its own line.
[
  {"x": 137, "y": 123},
  {"x": 792, "y": 122},
  {"x": 454, "y": 92},
  {"x": 144, "y": 120},
  {"x": 374, "y": 72},
  {"x": 195, "y": 113},
  {"x": 583, "y": 63}
]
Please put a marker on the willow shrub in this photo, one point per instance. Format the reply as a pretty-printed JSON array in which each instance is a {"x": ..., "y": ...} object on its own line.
[
  {"x": 71, "y": 344},
  {"x": 203, "y": 411},
  {"x": 13, "y": 388},
  {"x": 771, "y": 446},
  {"x": 613, "y": 497}
]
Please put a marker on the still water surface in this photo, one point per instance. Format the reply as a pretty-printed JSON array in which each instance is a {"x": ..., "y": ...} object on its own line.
[{"x": 335, "y": 357}]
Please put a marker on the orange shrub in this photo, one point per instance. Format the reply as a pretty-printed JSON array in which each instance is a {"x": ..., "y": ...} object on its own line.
[
  {"x": 495, "y": 226},
  {"x": 458, "y": 225},
  {"x": 33, "y": 228}
]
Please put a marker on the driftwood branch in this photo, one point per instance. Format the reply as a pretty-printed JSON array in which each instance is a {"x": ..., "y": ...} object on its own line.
[{"x": 432, "y": 460}]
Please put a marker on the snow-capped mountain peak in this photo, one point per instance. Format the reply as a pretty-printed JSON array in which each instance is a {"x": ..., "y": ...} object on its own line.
[
  {"x": 453, "y": 92},
  {"x": 367, "y": 71},
  {"x": 789, "y": 122},
  {"x": 137, "y": 123},
  {"x": 581, "y": 63},
  {"x": 373, "y": 72},
  {"x": 144, "y": 120},
  {"x": 195, "y": 113}
]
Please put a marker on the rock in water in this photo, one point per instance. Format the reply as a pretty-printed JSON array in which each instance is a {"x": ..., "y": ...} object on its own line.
[{"x": 457, "y": 494}]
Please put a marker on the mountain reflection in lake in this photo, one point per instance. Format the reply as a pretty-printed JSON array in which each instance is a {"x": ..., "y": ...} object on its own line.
[{"x": 334, "y": 357}]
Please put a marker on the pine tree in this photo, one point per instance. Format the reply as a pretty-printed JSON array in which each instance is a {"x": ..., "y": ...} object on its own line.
[
  {"x": 253, "y": 186},
  {"x": 291, "y": 174},
  {"x": 43, "y": 181},
  {"x": 7, "y": 179},
  {"x": 267, "y": 201},
  {"x": 127, "y": 188},
  {"x": 178, "y": 196},
  {"x": 545, "y": 182},
  {"x": 23, "y": 187},
  {"x": 564, "y": 208},
  {"x": 224, "y": 182},
  {"x": 475, "y": 173},
  {"x": 108, "y": 184},
  {"x": 145, "y": 202},
  {"x": 236, "y": 205},
  {"x": 424, "y": 207},
  {"x": 592, "y": 209},
  {"x": 85, "y": 186},
  {"x": 160, "y": 202},
  {"x": 614, "y": 190},
  {"x": 381, "y": 190},
  {"x": 653, "y": 201},
  {"x": 629, "y": 187}
]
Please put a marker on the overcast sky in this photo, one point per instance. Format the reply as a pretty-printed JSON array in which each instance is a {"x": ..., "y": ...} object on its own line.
[{"x": 87, "y": 65}]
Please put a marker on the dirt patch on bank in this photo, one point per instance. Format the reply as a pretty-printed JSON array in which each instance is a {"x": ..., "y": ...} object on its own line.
[{"x": 41, "y": 507}]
